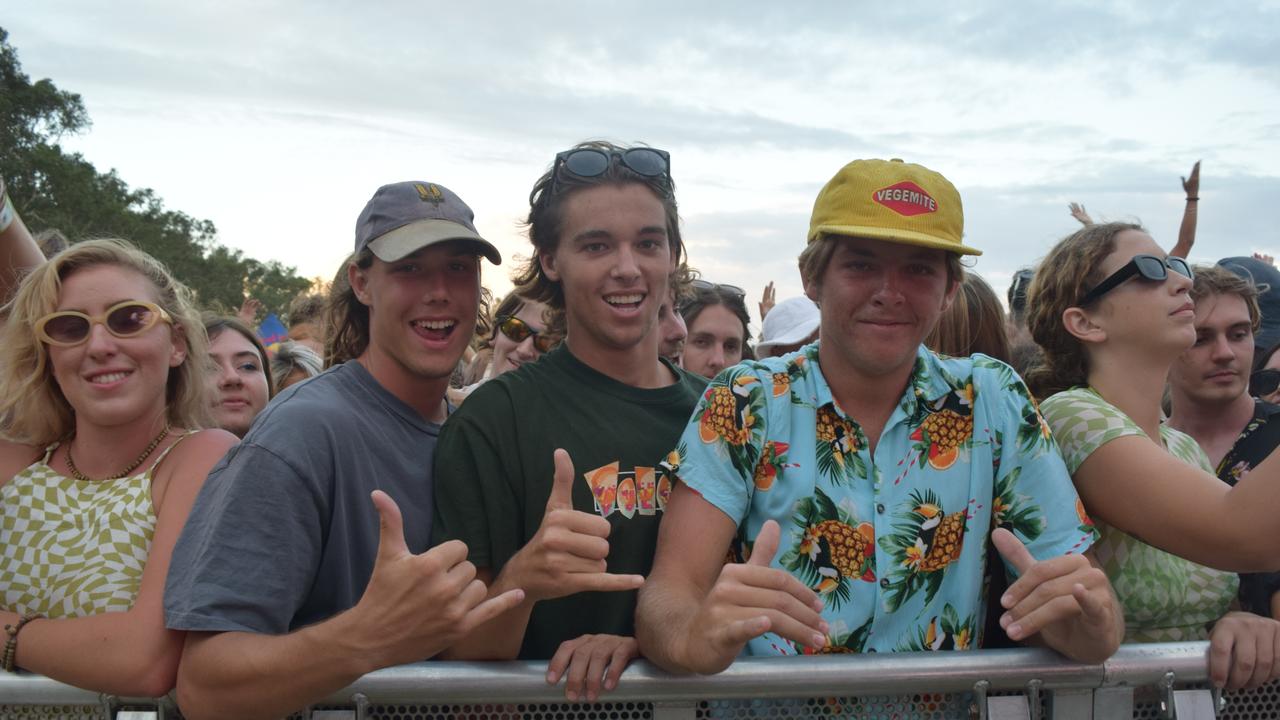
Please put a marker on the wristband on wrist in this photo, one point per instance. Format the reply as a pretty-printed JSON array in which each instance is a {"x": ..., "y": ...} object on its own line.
[
  {"x": 1193, "y": 199},
  {"x": 6, "y": 212},
  {"x": 11, "y": 644}
]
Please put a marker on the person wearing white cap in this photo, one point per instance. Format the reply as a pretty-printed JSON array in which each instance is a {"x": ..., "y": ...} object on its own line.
[
  {"x": 790, "y": 325},
  {"x": 289, "y": 582}
]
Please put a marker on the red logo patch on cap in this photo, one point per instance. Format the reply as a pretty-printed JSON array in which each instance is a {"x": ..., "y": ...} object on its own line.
[{"x": 906, "y": 198}]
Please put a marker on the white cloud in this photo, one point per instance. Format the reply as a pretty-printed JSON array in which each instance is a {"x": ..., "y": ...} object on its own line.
[{"x": 278, "y": 120}]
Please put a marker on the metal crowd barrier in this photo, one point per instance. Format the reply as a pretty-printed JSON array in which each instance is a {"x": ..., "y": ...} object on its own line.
[{"x": 1143, "y": 682}]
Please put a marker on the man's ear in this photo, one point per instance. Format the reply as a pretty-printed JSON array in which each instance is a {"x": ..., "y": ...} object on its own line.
[
  {"x": 548, "y": 262},
  {"x": 359, "y": 280},
  {"x": 1082, "y": 326},
  {"x": 812, "y": 290},
  {"x": 950, "y": 297}
]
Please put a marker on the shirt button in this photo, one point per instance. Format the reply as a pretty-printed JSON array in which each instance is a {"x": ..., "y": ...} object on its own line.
[
  {"x": 884, "y": 582},
  {"x": 880, "y": 508}
]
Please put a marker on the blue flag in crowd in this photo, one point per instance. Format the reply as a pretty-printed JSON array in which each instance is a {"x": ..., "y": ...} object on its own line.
[{"x": 272, "y": 332}]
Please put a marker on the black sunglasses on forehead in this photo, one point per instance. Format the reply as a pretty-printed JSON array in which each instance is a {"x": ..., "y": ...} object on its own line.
[
  {"x": 1148, "y": 267},
  {"x": 704, "y": 285},
  {"x": 593, "y": 162}
]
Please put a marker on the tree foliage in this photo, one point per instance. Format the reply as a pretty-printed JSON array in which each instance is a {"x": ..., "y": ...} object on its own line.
[{"x": 53, "y": 188}]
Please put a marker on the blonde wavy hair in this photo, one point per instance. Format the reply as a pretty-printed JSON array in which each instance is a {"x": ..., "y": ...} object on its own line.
[{"x": 30, "y": 399}]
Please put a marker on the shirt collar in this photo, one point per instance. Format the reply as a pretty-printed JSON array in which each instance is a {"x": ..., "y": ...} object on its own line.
[{"x": 929, "y": 380}]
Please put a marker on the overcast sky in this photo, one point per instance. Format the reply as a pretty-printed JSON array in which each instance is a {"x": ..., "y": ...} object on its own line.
[{"x": 277, "y": 120}]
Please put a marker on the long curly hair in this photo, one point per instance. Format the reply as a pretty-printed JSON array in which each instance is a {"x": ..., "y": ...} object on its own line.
[
  {"x": 346, "y": 319},
  {"x": 1070, "y": 270},
  {"x": 31, "y": 400}
]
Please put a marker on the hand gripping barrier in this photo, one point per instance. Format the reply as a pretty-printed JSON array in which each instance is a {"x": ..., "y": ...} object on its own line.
[{"x": 1145, "y": 682}]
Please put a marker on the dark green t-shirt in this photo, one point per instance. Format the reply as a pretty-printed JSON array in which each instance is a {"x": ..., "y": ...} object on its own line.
[{"x": 494, "y": 470}]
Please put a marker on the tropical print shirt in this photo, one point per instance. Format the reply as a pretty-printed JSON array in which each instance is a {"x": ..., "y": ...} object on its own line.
[
  {"x": 896, "y": 542},
  {"x": 1261, "y": 435}
]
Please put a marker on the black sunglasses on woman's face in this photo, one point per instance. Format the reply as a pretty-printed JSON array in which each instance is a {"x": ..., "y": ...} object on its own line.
[{"x": 1148, "y": 267}]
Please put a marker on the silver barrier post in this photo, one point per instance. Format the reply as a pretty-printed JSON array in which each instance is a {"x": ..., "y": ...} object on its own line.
[
  {"x": 1194, "y": 705},
  {"x": 1033, "y": 697},
  {"x": 980, "y": 689},
  {"x": 1113, "y": 703},
  {"x": 1071, "y": 704}
]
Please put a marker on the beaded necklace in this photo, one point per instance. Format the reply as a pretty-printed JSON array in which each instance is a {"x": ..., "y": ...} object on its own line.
[{"x": 75, "y": 472}]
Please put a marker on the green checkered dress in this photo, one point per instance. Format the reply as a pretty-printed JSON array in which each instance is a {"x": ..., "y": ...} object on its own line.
[
  {"x": 1165, "y": 598},
  {"x": 70, "y": 548}
]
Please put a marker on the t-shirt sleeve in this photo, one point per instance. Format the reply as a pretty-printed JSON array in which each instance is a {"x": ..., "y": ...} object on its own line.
[
  {"x": 475, "y": 501},
  {"x": 1082, "y": 422},
  {"x": 249, "y": 553},
  {"x": 722, "y": 441},
  {"x": 1035, "y": 497}
]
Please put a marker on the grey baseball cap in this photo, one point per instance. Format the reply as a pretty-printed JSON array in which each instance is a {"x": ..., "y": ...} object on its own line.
[{"x": 404, "y": 217}]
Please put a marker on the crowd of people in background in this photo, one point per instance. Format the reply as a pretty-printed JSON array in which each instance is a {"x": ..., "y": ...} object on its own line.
[{"x": 607, "y": 463}]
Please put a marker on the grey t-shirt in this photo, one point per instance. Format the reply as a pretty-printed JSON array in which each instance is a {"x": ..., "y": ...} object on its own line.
[{"x": 284, "y": 534}]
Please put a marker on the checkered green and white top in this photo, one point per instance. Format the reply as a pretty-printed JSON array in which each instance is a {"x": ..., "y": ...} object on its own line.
[
  {"x": 70, "y": 548},
  {"x": 1165, "y": 598}
]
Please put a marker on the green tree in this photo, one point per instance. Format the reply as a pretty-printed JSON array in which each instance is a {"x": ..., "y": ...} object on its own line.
[{"x": 53, "y": 188}]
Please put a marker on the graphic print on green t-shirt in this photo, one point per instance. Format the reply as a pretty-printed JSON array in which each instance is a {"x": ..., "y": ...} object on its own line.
[{"x": 642, "y": 490}]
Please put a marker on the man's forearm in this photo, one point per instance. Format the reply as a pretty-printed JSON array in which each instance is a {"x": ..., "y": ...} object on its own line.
[
  {"x": 501, "y": 637},
  {"x": 1187, "y": 231},
  {"x": 664, "y": 617},
  {"x": 247, "y": 675}
]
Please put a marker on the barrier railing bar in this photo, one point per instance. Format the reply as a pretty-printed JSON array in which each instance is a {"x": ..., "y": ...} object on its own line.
[{"x": 883, "y": 674}]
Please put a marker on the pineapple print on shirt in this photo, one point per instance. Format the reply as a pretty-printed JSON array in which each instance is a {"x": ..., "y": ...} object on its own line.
[
  {"x": 946, "y": 428},
  {"x": 882, "y": 536},
  {"x": 835, "y": 550},
  {"x": 947, "y": 632},
  {"x": 732, "y": 405},
  {"x": 925, "y": 540},
  {"x": 838, "y": 444}
]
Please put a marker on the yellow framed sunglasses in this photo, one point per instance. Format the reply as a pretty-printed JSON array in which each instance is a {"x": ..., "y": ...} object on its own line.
[{"x": 124, "y": 320}]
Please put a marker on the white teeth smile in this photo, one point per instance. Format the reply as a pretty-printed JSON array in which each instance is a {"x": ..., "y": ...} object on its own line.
[
  {"x": 435, "y": 324},
  {"x": 624, "y": 299},
  {"x": 108, "y": 378}
]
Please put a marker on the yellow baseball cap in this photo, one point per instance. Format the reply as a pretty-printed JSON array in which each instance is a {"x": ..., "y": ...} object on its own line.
[{"x": 891, "y": 200}]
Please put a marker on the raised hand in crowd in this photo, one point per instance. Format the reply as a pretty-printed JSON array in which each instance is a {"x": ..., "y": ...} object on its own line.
[
  {"x": 767, "y": 300},
  {"x": 1191, "y": 185},
  {"x": 248, "y": 311},
  {"x": 1066, "y": 596},
  {"x": 721, "y": 610},
  {"x": 18, "y": 249},
  {"x": 1187, "y": 231},
  {"x": 1243, "y": 651},
  {"x": 591, "y": 662},
  {"x": 1078, "y": 212},
  {"x": 1268, "y": 259}
]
